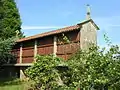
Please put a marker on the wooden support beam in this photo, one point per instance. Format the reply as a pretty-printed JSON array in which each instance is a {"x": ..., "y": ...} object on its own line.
[
  {"x": 35, "y": 48},
  {"x": 55, "y": 46},
  {"x": 19, "y": 64},
  {"x": 79, "y": 39},
  {"x": 21, "y": 45},
  {"x": 22, "y": 74}
]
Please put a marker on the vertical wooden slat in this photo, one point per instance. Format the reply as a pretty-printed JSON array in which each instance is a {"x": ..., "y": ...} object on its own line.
[
  {"x": 22, "y": 74},
  {"x": 80, "y": 46},
  {"x": 35, "y": 48},
  {"x": 21, "y": 52},
  {"x": 55, "y": 46}
]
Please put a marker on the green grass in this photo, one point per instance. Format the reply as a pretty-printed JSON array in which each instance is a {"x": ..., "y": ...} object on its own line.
[{"x": 12, "y": 85}]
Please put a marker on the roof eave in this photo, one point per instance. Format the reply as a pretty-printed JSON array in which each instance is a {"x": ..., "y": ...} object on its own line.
[
  {"x": 26, "y": 39},
  {"x": 90, "y": 20}
]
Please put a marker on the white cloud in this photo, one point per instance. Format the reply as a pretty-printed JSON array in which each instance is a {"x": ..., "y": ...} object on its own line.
[
  {"x": 66, "y": 13},
  {"x": 107, "y": 23},
  {"x": 40, "y": 27}
]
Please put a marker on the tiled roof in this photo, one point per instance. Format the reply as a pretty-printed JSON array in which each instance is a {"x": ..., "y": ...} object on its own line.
[{"x": 62, "y": 30}]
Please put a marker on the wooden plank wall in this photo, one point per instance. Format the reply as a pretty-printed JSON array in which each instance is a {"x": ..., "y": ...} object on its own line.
[
  {"x": 45, "y": 46},
  {"x": 16, "y": 52},
  {"x": 28, "y": 51},
  {"x": 66, "y": 50}
]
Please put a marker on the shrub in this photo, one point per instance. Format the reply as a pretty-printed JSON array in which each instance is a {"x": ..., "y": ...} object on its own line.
[
  {"x": 95, "y": 68},
  {"x": 43, "y": 72}
]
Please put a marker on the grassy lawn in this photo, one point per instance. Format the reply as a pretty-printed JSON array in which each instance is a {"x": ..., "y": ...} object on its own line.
[
  {"x": 16, "y": 84},
  {"x": 12, "y": 85}
]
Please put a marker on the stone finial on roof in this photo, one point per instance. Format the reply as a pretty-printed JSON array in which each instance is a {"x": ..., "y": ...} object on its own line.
[{"x": 88, "y": 12}]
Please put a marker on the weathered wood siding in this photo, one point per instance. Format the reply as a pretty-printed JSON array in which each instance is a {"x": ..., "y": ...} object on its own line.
[
  {"x": 45, "y": 45},
  {"x": 65, "y": 50},
  {"x": 28, "y": 51},
  {"x": 16, "y": 52}
]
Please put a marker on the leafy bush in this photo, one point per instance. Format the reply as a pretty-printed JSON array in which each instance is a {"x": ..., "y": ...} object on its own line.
[
  {"x": 5, "y": 50},
  {"x": 10, "y": 22},
  {"x": 43, "y": 72},
  {"x": 95, "y": 68},
  {"x": 92, "y": 69}
]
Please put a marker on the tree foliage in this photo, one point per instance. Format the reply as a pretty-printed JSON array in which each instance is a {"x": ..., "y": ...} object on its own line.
[
  {"x": 95, "y": 68},
  {"x": 43, "y": 72},
  {"x": 10, "y": 28},
  {"x": 92, "y": 69},
  {"x": 6, "y": 55},
  {"x": 10, "y": 22}
]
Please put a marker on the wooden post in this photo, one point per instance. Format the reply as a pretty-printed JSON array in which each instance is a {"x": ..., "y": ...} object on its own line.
[
  {"x": 21, "y": 71},
  {"x": 55, "y": 46},
  {"x": 22, "y": 75},
  {"x": 35, "y": 49},
  {"x": 80, "y": 39},
  {"x": 21, "y": 45}
]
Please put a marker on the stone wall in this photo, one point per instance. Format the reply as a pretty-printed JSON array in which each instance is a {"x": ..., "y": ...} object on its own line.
[{"x": 88, "y": 35}]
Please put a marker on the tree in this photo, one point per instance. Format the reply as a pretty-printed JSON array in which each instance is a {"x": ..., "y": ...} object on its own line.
[
  {"x": 92, "y": 69},
  {"x": 10, "y": 29},
  {"x": 95, "y": 68},
  {"x": 5, "y": 50},
  {"x": 10, "y": 22},
  {"x": 44, "y": 72}
]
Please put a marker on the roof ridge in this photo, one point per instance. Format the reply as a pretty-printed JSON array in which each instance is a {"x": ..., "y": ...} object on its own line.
[
  {"x": 57, "y": 31},
  {"x": 60, "y": 30}
]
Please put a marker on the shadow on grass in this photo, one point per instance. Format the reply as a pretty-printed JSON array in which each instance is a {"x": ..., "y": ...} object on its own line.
[{"x": 10, "y": 81}]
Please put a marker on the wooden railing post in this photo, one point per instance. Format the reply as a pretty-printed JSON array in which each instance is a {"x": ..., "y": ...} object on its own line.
[
  {"x": 21, "y": 71},
  {"x": 79, "y": 39},
  {"x": 35, "y": 49},
  {"x": 21, "y": 46},
  {"x": 55, "y": 46}
]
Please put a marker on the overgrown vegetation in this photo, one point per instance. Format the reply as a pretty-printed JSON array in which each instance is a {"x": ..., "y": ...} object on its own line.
[
  {"x": 13, "y": 84},
  {"x": 10, "y": 29},
  {"x": 95, "y": 69},
  {"x": 5, "y": 50},
  {"x": 92, "y": 69},
  {"x": 43, "y": 72},
  {"x": 10, "y": 22}
]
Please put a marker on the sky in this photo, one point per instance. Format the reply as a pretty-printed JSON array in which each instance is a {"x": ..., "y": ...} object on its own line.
[{"x": 40, "y": 16}]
